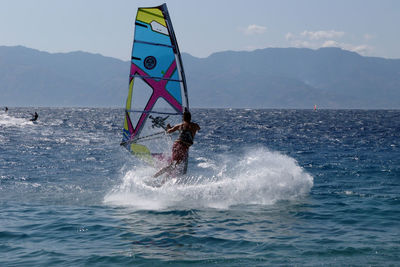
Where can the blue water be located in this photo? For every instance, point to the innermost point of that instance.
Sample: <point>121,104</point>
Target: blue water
<point>264,187</point>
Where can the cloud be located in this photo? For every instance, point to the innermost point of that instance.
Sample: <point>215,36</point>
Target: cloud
<point>290,36</point>
<point>360,49</point>
<point>331,38</point>
<point>330,43</point>
<point>317,35</point>
<point>254,29</point>
<point>303,43</point>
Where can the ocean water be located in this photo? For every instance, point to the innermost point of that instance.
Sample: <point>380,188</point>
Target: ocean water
<point>264,187</point>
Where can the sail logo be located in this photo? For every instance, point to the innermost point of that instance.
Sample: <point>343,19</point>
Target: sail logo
<point>157,27</point>
<point>150,62</point>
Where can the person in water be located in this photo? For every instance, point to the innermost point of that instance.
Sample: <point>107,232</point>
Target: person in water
<point>180,149</point>
<point>34,117</point>
<point>6,109</point>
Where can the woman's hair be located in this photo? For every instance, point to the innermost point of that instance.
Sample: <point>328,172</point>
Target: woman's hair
<point>187,116</point>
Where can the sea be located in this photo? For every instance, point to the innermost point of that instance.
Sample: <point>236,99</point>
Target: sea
<point>265,187</point>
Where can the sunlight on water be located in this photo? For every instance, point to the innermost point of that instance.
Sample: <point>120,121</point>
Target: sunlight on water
<point>258,176</point>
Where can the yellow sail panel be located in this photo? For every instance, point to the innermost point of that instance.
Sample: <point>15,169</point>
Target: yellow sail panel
<point>128,103</point>
<point>142,152</point>
<point>147,15</point>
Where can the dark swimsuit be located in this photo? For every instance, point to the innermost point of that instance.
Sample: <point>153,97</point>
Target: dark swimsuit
<point>186,137</point>
<point>181,146</point>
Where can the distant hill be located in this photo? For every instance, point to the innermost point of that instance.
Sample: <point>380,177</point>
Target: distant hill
<point>30,77</point>
<point>266,78</point>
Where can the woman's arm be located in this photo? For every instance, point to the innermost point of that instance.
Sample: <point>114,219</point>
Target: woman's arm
<point>173,129</point>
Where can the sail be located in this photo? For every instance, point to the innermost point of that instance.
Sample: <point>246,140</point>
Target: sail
<point>157,87</point>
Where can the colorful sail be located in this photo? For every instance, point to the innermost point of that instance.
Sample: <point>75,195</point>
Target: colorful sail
<point>157,86</point>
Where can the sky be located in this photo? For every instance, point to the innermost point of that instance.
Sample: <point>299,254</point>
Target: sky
<point>203,27</point>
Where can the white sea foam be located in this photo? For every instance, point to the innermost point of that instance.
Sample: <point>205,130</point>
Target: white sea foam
<point>257,176</point>
<point>7,120</point>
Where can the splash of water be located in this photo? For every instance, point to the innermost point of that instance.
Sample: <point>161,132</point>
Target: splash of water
<point>257,176</point>
<point>7,120</point>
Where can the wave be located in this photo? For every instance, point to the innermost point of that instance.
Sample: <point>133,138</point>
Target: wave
<point>7,120</point>
<point>255,176</point>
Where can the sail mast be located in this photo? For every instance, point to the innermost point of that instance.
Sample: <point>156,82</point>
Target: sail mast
<point>164,10</point>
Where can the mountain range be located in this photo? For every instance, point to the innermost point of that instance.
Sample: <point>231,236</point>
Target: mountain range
<point>265,78</point>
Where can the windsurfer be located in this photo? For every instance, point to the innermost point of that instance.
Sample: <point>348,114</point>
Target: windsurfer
<point>181,146</point>
<point>34,116</point>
